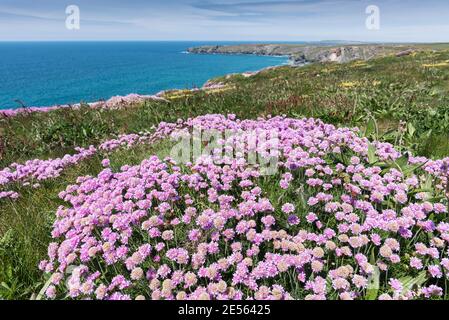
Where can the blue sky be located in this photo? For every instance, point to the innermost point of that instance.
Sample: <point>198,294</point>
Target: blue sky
<point>250,20</point>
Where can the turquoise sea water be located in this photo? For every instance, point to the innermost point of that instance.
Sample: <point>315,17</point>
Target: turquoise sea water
<point>50,73</point>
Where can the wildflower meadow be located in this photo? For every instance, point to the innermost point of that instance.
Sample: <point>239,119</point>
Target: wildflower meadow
<point>348,212</point>
<point>343,218</point>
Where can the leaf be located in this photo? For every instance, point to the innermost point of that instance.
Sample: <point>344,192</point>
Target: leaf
<point>372,290</point>
<point>409,169</point>
<point>422,190</point>
<point>41,293</point>
<point>411,129</point>
<point>436,199</point>
<point>4,285</point>
<point>372,258</point>
<point>372,158</point>
<point>402,162</point>
<point>429,183</point>
<point>371,128</point>
<point>428,134</point>
<point>328,284</point>
<point>410,283</point>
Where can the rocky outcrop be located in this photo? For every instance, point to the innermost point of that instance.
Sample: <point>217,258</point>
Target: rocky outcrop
<point>115,102</point>
<point>405,53</point>
<point>302,54</point>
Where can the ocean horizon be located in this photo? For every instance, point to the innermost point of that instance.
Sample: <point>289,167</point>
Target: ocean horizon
<point>39,74</point>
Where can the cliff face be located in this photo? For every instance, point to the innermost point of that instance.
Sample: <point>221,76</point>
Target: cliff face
<point>301,54</point>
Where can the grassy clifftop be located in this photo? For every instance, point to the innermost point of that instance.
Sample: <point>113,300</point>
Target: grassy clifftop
<point>401,100</point>
<point>412,89</point>
<point>309,53</point>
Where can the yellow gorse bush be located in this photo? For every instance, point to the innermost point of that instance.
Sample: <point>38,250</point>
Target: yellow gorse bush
<point>360,64</point>
<point>436,65</point>
<point>179,94</point>
<point>219,90</point>
<point>349,84</point>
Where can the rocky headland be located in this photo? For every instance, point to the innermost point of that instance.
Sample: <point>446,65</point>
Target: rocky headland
<point>303,54</point>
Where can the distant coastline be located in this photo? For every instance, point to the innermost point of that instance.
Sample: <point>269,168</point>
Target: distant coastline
<point>49,75</point>
<point>300,54</point>
<point>295,55</point>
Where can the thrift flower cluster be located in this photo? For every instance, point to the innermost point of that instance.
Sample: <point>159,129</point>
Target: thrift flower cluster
<point>115,102</point>
<point>33,172</point>
<point>327,225</point>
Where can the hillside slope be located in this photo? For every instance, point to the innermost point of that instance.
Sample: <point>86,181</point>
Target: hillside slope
<point>403,101</point>
<point>301,54</point>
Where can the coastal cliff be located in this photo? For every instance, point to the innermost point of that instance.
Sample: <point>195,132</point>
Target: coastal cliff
<point>302,54</point>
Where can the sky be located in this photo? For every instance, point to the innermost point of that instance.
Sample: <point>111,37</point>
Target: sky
<point>233,20</point>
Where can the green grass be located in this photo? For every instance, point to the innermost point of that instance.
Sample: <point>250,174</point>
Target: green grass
<point>406,102</point>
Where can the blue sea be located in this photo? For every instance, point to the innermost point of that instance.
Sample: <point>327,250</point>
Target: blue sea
<point>51,73</point>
